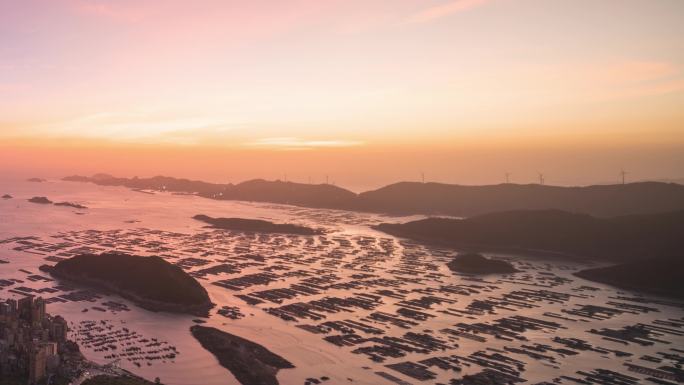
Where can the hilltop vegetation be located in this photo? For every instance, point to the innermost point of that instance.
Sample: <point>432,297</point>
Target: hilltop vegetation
<point>151,282</point>
<point>662,276</point>
<point>552,231</point>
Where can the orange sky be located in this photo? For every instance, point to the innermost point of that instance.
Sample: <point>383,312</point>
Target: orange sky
<point>368,91</point>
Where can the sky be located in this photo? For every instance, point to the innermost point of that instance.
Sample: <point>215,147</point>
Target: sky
<point>367,92</point>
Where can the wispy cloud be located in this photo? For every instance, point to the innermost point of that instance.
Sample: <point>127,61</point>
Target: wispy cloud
<point>290,143</point>
<point>444,10</point>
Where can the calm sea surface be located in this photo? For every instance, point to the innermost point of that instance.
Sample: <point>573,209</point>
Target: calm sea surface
<point>350,261</point>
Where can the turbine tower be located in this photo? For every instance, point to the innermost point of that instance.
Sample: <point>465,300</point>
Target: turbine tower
<point>508,177</point>
<point>541,178</point>
<point>623,174</point>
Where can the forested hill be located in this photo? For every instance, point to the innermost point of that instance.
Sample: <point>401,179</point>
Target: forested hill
<point>429,198</point>
<point>622,238</point>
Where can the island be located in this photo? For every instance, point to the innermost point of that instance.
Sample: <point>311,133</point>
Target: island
<point>71,204</point>
<point>256,225</point>
<point>660,276</point>
<point>250,363</point>
<point>7,196</point>
<point>46,201</point>
<point>474,263</point>
<point>36,180</point>
<point>150,282</point>
<point>40,200</point>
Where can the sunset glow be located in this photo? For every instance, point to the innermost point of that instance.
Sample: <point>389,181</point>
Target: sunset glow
<point>387,87</point>
<point>324,192</point>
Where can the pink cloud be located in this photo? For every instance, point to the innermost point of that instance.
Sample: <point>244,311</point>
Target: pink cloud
<point>446,9</point>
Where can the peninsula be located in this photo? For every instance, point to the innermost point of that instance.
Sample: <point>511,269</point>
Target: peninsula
<point>250,363</point>
<point>150,282</point>
<point>648,248</point>
<point>256,225</point>
<point>661,276</point>
<point>554,232</point>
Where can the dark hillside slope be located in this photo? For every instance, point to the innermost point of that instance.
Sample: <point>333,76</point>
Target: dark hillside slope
<point>663,276</point>
<point>151,282</point>
<point>299,194</point>
<point>619,238</point>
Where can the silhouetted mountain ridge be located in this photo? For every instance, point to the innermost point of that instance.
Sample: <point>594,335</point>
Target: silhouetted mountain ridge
<point>458,200</point>
<point>406,198</point>
<point>300,194</point>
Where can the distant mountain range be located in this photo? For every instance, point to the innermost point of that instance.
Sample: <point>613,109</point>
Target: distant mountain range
<point>406,198</point>
<point>257,190</point>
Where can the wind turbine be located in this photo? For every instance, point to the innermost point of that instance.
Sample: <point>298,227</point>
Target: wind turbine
<point>422,176</point>
<point>541,178</point>
<point>623,174</point>
<point>508,175</point>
